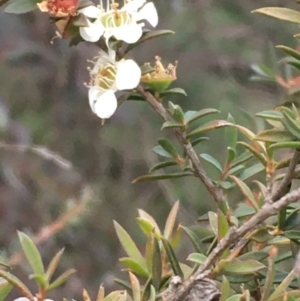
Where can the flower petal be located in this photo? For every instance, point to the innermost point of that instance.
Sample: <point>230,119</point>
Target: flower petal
<point>128,75</point>
<point>90,11</point>
<point>130,33</point>
<point>133,6</point>
<point>149,13</point>
<point>92,33</point>
<point>106,105</point>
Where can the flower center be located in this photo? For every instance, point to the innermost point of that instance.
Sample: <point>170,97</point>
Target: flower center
<point>104,77</point>
<point>115,17</point>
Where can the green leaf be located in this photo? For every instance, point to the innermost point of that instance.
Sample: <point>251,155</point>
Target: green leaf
<point>177,113</point>
<point>294,53</point>
<point>212,125</point>
<point>170,222</point>
<point>147,227</point>
<point>17,283</point>
<point>172,258</point>
<point>289,144</point>
<point>101,293</point>
<point>282,287</point>
<point>251,171</point>
<point>291,125</point>
<point>53,264</point>
<point>192,116</point>
<point>156,264</point>
<point>246,192</point>
<point>161,151</point>
<point>21,6</point>
<point>280,13</point>
<point>225,289</point>
<point>269,281</point>
<point>231,134</point>
<point>132,265</point>
<point>293,235</point>
<point>162,177</point>
<point>136,287</point>
<point>32,254</point>
<point>197,258</point>
<point>5,288</point>
<point>116,296</point>
<point>274,135</point>
<point>292,220</point>
<point>261,157</point>
<point>237,297</point>
<point>244,267</point>
<point>208,158</point>
<point>152,294</point>
<point>223,229</point>
<point>172,125</point>
<point>148,36</point>
<point>263,71</point>
<point>168,147</point>
<point>231,154</point>
<point>146,216</point>
<point>195,141</point>
<point>244,157</point>
<point>179,91</point>
<point>213,221</point>
<point>194,239</point>
<point>65,276</point>
<point>256,255</point>
<point>129,246</point>
<point>162,165</point>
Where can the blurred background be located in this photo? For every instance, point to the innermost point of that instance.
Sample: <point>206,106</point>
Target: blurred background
<point>43,101</point>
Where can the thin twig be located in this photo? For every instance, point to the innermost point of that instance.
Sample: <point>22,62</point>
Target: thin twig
<point>233,236</point>
<point>199,172</point>
<point>286,181</point>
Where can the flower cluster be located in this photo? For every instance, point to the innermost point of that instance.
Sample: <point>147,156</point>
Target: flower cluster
<point>109,75</point>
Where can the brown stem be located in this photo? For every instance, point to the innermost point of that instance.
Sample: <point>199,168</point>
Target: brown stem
<point>199,172</point>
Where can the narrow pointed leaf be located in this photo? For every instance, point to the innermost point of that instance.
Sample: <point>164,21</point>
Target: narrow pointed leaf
<point>132,265</point>
<point>282,287</point>
<point>129,245</point>
<point>21,6</point>
<point>237,297</point>
<point>162,177</point>
<point>5,288</point>
<point>163,165</point>
<point>244,267</point>
<point>65,276</point>
<point>114,296</point>
<point>156,264</point>
<point>144,215</point>
<point>152,293</point>
<point>273,115</point>
<point>171,221</point>
<point>53,264</point>
<point>280,13</point>
<point>289,144</point>
<point>148,36</point>
<point>32,254</point>
<point>261,157</point>
<point>231,134</point>
<point>172,258</point>
<point>294,53</point>
<point>168,147</point>
<point>199,114</point>
<point>172,125</point>
<point>101,293</point>
<point>195,141</point>
<point>274,135</point>
<point>197,258</point>
<point>179,91</point>
<point>225,289</point>
<point>269,281</point>
<point>251,171</point>
<point>212,125</point>
<point>246,192</point>
<point>86,296</point>
<point>17,283</point>
<point>136,287</point>
<point>194,239</point>
<point>161,151</point>
<point>208,158</point>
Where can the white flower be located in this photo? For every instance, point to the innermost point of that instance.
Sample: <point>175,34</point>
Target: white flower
<point>26,299</point>
<point>107,77</point>
<point>124,24</point>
